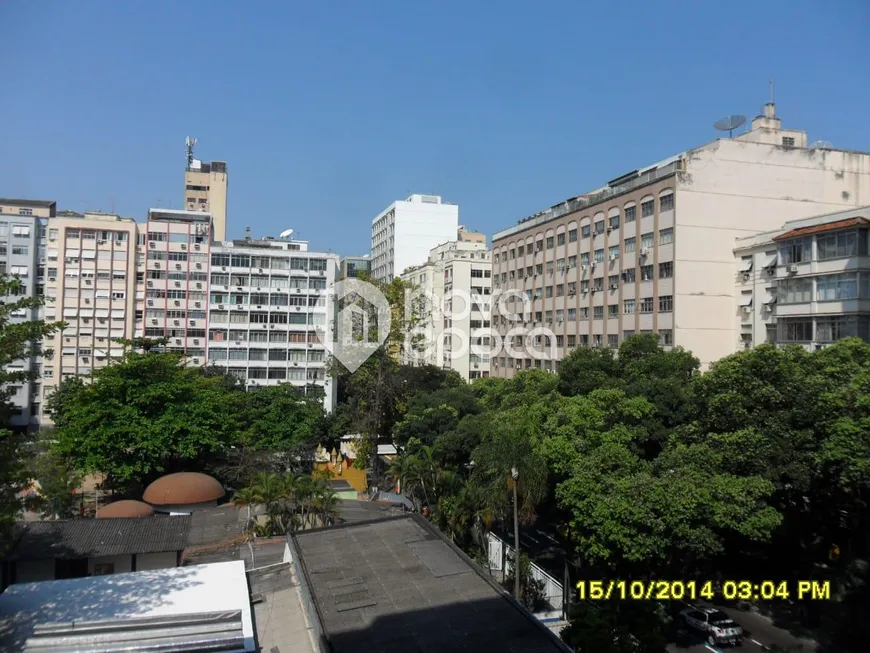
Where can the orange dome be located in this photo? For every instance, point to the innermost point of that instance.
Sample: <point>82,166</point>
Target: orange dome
<point>183,488</point>
<point>125,508</point>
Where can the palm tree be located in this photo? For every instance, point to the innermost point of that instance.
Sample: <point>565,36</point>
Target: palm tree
<point>509,473</point>
<point>270,490</point>
<point>246,497</point>
<point>325,502</point>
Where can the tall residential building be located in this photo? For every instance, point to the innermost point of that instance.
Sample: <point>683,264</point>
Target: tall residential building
<point>405,231</point>
<point>268,301</point>
<point>652,250</point>
<point>352,266</point>
<point>456,281</point>
<point>205,189</point>
<point>22,255</point>
<point>806,283</point>
<point>174,249</point>
<point>90,284</point>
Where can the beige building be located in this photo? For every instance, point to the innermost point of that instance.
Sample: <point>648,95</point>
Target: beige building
<point>806,283</point>
<point>456,281</point>
<point>205,189</point>
<point>652,250</point>
<point>90,285</point>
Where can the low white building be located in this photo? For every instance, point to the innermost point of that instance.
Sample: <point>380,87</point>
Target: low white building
<point>806,283</point>
<point>404,232</point>
<point>456,284</point>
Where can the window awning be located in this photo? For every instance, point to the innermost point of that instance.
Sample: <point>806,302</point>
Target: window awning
<point>73,253</point>
<point>771,260</point>
<point>746,265</point>
<point>770,298</point>
<point>70,312</point>
<point>89,253</point>
<point>746,300</point>
<point>102,312</point>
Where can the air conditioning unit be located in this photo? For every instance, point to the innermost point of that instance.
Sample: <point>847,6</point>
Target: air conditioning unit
<point>747,309</point>
<point>644,251</point>
<point>220,306</point>
<point>177,302</point>
<point>156,264</point>
<point>52,278</point>
<point>613,257</point>
<point>572,293</point>
<point>614,286</point>
<point>196,341</point>
<point>260,270</point>
<point>152,244</point>
<point>183,247</point>
<point>87,301</point>
<point>196,360</point>
<point>771,271</point>
<point>223,268</point>
<point>609,229</point>
<point>594,289</point>
<point>193,323</point>
<point>178,284</point>
<point>88,282</point>
<point>746,276</point>
<point>176,322</point>
<point>792,269</point>
<point>154,321</point>
<point>238,342</point>
<point>196,247</point>
<point>199,284</point>
<point>592,264</point>
<point>150,302</point>
<point>178,266</point>
<point>150,284</point>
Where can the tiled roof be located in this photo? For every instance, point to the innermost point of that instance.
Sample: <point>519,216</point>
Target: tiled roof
<point>822,228</point>
<point>85,538</point>
<point>397,585</point>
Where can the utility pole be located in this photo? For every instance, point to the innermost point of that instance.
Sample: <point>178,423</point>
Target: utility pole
<point>515,475</point>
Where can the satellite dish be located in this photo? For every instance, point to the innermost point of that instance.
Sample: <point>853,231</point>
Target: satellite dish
<point>285,235</point>
<point>822,145</point>
<point>729,123</point>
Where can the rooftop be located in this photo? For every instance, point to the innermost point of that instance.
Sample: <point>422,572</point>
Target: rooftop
<point>125,610</point>
<point>396,585</point>
<point>174,215</point>
<point>86,538</point>
<point>822,228</point>
<point>816,223</point>
<point>24,203</point>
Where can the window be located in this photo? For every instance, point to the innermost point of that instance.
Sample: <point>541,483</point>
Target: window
<point>549,242</point>
<point>572,236</point>
<point>666,270</point>
<point>612,310</point>
<point>628,306</point>
<point>599,227</point>
<point>630,244</point>
<point>629,275</point>
<point>20,231</point>
<point>666,203</point>
<point>598,312</point>
<point>104,568</point>
<point>795,330</point>
<point>666,303</point>
<point>788,141</point>
<point>666,337</point>
<point>598,283</point>
<point>795,291</point>
<point>584,231</point>
<point>614,252</point>
<point>560,239</point>
<point>646,273</point>
<point>647,209</point>
<point>646,241</point>
<point>666,236</point>
<point>19,250</point>
<point>613,340</point>
<point>599,256</point>
<point>584,259</point>
<point>613,221</point>
<point>646,305</point>
<point>630,214</point>
<point>796,251</point>
<point>837,286</point>
<point>840,245</point>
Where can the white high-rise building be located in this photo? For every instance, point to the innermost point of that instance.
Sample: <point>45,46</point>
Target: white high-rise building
<point>405,232</point>
<point>457,281</point>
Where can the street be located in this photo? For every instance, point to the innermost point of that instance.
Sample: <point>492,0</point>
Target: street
<point>760,634</point>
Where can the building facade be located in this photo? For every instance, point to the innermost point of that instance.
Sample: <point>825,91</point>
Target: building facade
<point>23,234</point>
<point>404,232</point>
<point>353,266</point>
<point>652,250</point>
<point>806,283</point>
<point>90,285</point>
<point>456,282</point>
<point>268,313</point>
<point>205,190</point>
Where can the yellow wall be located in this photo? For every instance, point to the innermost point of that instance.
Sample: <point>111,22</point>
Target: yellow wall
<point>356,477</point>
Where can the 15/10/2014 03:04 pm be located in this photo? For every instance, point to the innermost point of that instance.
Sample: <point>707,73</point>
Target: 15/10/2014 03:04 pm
<point>676,590</point>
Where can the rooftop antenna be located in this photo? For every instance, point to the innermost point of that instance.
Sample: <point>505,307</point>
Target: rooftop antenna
<point>771,92</point>
<point>287,234</point>
<point>189,144</point>
<point>729,123</point>
<point>822,145</point>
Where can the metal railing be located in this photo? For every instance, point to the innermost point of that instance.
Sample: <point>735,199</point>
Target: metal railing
<point>500,552</point>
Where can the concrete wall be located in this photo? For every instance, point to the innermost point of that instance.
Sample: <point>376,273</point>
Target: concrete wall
<point>733,189</point>
<point>161,560</point>
<point>32,571</point>
<point>123,563</point>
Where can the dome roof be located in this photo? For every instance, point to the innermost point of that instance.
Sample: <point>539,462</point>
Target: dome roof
<point>183,488</point>
<point>125,508</point>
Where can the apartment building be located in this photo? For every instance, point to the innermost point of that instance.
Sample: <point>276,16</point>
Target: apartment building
<point>456,283</point>
<point>806,283</point>
<point>267,304</point>
<point>22,255</point>
<point>405,231</point>
<point>352,267</point>
<point>652,250</point>
<point>90,285</point>
<point>205,189</point>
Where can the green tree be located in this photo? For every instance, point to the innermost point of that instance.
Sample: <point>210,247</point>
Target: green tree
<point>143,416</point>
<point>18,340</point>
<point>617,627</point>
<point>58,482</point>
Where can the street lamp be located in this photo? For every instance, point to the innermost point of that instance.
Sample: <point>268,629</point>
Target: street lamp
<point>515,475</point>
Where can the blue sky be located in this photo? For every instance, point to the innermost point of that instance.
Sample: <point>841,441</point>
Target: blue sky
<point>327,111</point>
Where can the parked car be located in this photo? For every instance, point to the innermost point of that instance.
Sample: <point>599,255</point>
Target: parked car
<point>716,625</point>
